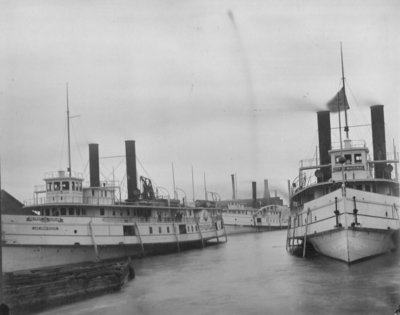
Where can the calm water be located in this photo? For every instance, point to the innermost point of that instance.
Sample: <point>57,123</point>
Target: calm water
<point>251,274</point>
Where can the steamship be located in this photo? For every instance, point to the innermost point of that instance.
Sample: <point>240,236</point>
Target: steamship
<point>346,206</point>
<point>68,223</point>
<point>255,215</point>
<point>241,219</point>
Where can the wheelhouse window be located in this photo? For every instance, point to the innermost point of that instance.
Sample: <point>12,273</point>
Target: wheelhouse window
<point>348,158</point>
<point>65,186</point>
<point>73,185</point>
<point>150,229</point>
<point>63,211</point>
<point>101,211</point>
<point>357,158</point>
<point>49,186</point>
<point>83,211</point>
<point>56,186</point>
<point>159,230</point>
<point>71,211</point>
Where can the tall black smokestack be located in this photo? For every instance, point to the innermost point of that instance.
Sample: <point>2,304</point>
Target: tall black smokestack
<point>254,188</point>
<point>131,176</point>
<point>94,165</point>
<point>378,139</point>
<point>324,136</point>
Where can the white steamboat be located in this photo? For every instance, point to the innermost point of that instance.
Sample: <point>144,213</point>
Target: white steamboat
<point>241,219</point>
<point>347,209</point>
<point>68,223</point>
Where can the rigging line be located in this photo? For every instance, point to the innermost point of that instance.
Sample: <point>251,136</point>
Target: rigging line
<point>356,101</point>
<point>85,170</point>
<point>112,156</point>
<point>144,170</point>
<point>76,145</point>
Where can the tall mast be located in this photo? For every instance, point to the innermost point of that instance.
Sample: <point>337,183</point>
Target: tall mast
<point>69,141</point>
<point>346,127</point>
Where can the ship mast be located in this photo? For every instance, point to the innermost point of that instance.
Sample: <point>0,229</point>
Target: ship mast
<point>69,141</point>
<point>346,127</point>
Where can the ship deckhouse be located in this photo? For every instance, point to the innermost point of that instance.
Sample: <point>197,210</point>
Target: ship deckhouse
<point>62,188</point>
<point>352,160</point>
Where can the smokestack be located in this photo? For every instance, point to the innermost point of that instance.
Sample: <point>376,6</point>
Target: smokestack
<point>131,176</point>
<point>254,187</point>
<point>267,195</point>
<point>94,165</point>
<point>324,136</point>
<point>233,187</point>
<point>378,139</point>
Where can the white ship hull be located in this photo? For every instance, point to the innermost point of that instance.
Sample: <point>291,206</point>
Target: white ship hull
<point>244,221</point>
<point>35,242</point>
<point>351,245</point>
<point>346,236</point>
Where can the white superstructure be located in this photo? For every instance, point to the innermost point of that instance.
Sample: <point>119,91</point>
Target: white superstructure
<point>239,218</point>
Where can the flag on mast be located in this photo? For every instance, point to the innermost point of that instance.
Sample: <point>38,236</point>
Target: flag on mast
<point>339,102</point>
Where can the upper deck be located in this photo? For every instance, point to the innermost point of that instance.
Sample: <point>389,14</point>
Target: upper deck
<point>351,164</point>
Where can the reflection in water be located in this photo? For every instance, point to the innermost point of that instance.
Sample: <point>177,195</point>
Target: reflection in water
<point>251,274</point>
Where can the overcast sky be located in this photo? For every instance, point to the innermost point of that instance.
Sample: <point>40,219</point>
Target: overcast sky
<point>223,86</point>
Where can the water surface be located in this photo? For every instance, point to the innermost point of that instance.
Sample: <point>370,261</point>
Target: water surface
<point>251,274</point>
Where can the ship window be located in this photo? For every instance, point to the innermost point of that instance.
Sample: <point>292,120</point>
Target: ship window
<point>65,185</point>
<point>78,211</point>
<point>129,230</point>
<point>348,158</point>
<point>101,211</point>
<point>114,213</point>
<point>71,211</point>
<point>63,211</point>
<point>56,186</point>
<point>105,193</point>
<point>47,212</point>
<point>182,229</point>
<point>337,158</point>
<point>167,229</point>
<point>49,186</point>
<point>73,185</point>
<point>357,158</point>
<point>83,211</point>
<point>359,187</point>
<point>92,192</point>
<point>128,212</point>
<point>120,213</point>
<point>367,188</point>
<point>150,229</point>
<point>159,230</point>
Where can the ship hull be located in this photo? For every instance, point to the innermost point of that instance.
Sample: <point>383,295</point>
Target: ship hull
<point>238,229</point>
<point>76,240</point>
<point>352,245</point>
<point>348,235</point>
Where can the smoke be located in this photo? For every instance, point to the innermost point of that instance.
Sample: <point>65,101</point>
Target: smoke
<point>244,59</point>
